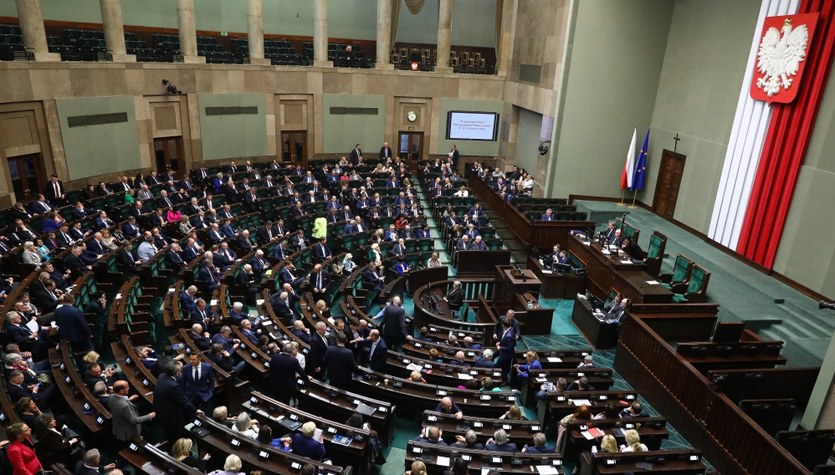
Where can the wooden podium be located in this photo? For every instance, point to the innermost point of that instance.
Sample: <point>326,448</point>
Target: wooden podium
<point>517,290</point>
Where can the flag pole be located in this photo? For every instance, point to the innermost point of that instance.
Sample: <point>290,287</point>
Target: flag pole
<point>622,193</point>
<point>633,199</point>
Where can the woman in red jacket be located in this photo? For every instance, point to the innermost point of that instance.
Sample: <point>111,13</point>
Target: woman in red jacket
<point>21,451</point>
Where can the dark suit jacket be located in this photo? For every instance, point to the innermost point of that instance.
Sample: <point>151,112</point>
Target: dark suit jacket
<point>75,265</point>
<point>282,310</point>
<point>455,298</point>
<point>316,357</point>
<point>128,262</point>
<point>203,387</point>
<point>393,323</point>
<point>377,361</point>
<point>383,151</point>
<point>283,371</point>
<point>170,403</point>
<point>72,326</point>
<point>341,365</point>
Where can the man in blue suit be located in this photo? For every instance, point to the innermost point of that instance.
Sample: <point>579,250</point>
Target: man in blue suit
<point>72,326</point>
<point>198,383</point>
<point>171,405</point>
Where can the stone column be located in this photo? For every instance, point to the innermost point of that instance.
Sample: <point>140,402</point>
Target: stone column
<point>114,31</point>
<point>384,38</point>
<point>34,35</point>
<point>444,35</point>
<point>505,44</point>
<point>320,34</point>
<point>188,32</point>
<point>255,28</point>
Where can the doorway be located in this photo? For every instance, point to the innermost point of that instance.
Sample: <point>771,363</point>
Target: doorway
<point>27,174</point>
<point>411,148</point>
<point>669,181</point>
<point>168,153</point>
<point>294,147</point>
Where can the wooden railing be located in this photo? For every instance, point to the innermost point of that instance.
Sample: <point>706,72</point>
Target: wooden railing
<point>731,440</point>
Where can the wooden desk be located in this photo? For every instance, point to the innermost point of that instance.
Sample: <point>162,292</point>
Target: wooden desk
<point>533,321</point>
<point>556,286</point>
<point>679,462</point>
<point>437,457</point>
<point>600,334</point>
<point>520,431</point>
<point>509,283</point>
<point>560,405</point>
<point>607,272</point>
<point>653,431</point>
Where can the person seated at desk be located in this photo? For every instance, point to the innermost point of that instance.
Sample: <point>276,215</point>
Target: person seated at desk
<point>608,234</point>
<point>467,343</point>
<point>402,267</point>
<point>431,435</point>
<point>588,362</point>
<point>633,442</point>
<point>523,371</point>
<point>581,384</point>
<point>548,386</point>
<point>539,446</point>
<point>435,355</point>
<point>448,406</point>
<point>374,276</point>
<point>181,452</point>
<point>484,360</point>
<point>455,297</point>
<point>548,215</point>
<point>463,244</point>
<point>489,386</point>
<point>635,410</point>
<point>303,444</point>
<point>460,359</point>
<point>478,244</point>
<point>632,249</point>
<point>468,441</point>
<point>417,377</point>
<point>500,443</point>
<point>616,312</point>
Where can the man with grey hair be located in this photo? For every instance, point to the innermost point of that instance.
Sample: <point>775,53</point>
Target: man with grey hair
<point>484,360</point>
<point>318,346</point>
<point>89,464</point>
<point>500,442</point>
<point>284,368</point>
<point>455,297</point>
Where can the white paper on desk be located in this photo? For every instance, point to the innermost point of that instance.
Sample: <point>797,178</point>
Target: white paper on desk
<point>259,302</point>
<point>442,461</point>
<point>546,271</point>
<point>464,376</point>
<point>547,470</point>
<point>587,243</point>
<point>580,402</point>
<point>33,325</point>
<point>541,380</point>
<point>554,359</point>
<point>653,282</point>
<point>625,261</point>
<point>213,303</point>
<point>605,251</point>
<point>414,367</point>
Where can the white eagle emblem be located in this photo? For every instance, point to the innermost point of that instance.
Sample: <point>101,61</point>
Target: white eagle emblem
<point>780,57</point>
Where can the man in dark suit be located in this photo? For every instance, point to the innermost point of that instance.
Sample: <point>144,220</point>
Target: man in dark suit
<point>173,259</point>
<point>385,151</point>
<point>318,347</point>
<point>54,192</point>
<point>127,423</point>
<point>455,297</point>
<point>74,264</point>
<point>319,281</point>
<point>393,323</point>
<point>453,156</point>
<point>507,349</point>
<point>340,363</point>
<point>377,351</point>
<point>484,360</point>
<point>72,326</point>
<point>127,259</point>
<point>286,275</point>
<point>284,369</point>
<point>356,154</point>
<point>321,251</point>
<point>170,403</point>
<point>198,383</point>
<point>282,309</point>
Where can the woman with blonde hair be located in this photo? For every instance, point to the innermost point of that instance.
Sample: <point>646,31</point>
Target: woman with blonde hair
<point>434,261</point>
<point>608,444</point>
<point>181,452</point>
<point>633,442</point>
<point>417,468</point>
<point>91,357</point>
<point>374,253</point>
<point>232,466</point>
<point>417,377</point>
<point>108,240</point>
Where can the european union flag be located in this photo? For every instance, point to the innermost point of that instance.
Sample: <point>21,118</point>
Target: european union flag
<point>639,177</point>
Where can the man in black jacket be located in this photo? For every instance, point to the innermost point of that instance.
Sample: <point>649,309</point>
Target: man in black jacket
<point>284,368</point>
<point>170,403</point>
<point>340,363</point>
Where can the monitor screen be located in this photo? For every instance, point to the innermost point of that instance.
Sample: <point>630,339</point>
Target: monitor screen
<point>468,125</point>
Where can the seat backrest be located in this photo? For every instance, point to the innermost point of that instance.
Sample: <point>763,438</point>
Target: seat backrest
<point>698,280</point>
<point>654,250</point>
<point>682,269</point>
